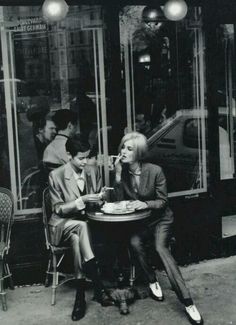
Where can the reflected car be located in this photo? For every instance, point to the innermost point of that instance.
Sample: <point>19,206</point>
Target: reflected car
<point>180,145</point>
<point>176,148</point>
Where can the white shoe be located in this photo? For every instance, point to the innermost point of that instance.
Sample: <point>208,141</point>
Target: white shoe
<point>155,291</point>
<point>194,315</point>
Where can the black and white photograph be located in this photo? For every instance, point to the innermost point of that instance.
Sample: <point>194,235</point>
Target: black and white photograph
<point>117,162</point>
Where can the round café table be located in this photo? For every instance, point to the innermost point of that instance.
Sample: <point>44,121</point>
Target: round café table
<point>121,218</point>
<point>106,217</point>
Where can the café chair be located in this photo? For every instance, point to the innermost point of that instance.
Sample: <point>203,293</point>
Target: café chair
<point>45,169</point>
<point>132,270</point>
<point>30,188</point>
<point>56,253</point>
<point>6,221</point>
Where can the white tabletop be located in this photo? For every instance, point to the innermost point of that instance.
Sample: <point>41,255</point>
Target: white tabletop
<point>105,217</point>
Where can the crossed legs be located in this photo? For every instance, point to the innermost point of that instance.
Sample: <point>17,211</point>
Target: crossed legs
<point>80,242</point>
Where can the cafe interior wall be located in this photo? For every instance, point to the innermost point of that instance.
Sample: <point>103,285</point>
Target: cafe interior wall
<point>198,223</point>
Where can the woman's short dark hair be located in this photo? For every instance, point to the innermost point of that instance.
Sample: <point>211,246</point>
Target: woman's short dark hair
<point>139,142</point>
<point>77,144</point>
<point>62,117</point>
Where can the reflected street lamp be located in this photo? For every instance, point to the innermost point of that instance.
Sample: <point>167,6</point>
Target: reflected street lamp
<point>175,9</point>
<point>54,10</point>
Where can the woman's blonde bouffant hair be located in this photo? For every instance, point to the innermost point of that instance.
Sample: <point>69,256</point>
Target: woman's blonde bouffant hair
<point>140,144</point>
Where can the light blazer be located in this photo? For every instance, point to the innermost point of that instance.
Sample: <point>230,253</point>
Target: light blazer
<point>64,191</point>
<point>152,189</point>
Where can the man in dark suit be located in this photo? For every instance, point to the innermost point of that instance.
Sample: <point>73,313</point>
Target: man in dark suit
<point>71,187</point>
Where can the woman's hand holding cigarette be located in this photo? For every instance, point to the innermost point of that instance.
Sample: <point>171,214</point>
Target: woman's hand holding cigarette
<point>104,189</point>
<point>118,168</point>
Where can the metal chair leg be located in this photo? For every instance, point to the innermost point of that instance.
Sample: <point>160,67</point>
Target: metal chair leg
<point>47,272</point>
<point>132,275</point>
<point>54,279</point>
<point>11,284</point>
<point>132,269</point>
<point>2,291</point>
<point>4,300</point>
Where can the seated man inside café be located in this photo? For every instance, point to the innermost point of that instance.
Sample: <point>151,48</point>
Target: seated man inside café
<point>71,187</point>
<point>46,133</point>
<point>142,124</point>
<point>55,153</point>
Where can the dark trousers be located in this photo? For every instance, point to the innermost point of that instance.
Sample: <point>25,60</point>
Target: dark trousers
<point>162,232</point>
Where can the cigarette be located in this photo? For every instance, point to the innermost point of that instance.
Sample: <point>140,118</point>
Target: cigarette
<point>109,188</point>
<point>113,156</point>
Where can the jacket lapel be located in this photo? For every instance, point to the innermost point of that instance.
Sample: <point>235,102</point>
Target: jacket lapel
<point>143,179</point>
<point>69,177</point>
<point>128,185</point>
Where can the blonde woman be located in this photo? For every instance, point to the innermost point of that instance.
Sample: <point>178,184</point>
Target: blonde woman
<point>145,185</point>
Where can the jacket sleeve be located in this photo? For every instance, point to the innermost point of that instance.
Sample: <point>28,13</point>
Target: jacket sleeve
<point>59,206</point>
<point>160,192</point>
<point>118,194</point>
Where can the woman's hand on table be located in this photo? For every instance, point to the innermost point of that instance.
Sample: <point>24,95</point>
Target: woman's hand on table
<point>91,197</point>
<point>137,205</point>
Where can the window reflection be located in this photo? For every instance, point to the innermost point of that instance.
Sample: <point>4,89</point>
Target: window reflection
<point>163,69</point>
<point>4,156</point>
<point>226,101</point>
<point>46,67</point>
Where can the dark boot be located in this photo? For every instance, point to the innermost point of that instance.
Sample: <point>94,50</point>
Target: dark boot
<point>100,294</point>
<point>80,303</point>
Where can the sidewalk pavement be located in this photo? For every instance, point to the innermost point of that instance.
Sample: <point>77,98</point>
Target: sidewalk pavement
<point>212,284</point>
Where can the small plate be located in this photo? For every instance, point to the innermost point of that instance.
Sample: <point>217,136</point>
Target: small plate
<point>117,211</point>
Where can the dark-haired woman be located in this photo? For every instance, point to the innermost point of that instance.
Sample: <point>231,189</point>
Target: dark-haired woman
<point>71,186</point>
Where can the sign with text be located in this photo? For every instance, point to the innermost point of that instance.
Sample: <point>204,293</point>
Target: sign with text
<point>30,24</point>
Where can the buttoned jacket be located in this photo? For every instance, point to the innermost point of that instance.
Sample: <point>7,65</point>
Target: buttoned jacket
<point>64,192</point>
<point>152,189</point>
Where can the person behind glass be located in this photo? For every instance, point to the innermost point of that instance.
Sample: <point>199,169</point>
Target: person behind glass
<point>71,187</point>
<point>55,153</point>
<point>145,184</point>
<point>46,133</point>
<point>142,125</point>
